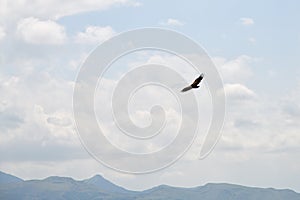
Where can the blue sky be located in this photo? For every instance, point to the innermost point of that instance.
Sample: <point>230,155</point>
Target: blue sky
<point>216,25</point>
<point>255,45</point>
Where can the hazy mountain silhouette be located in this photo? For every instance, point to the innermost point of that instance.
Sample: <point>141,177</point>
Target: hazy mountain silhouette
<point>97,187</point>
<point>7,178</point>
<point>104,184</point>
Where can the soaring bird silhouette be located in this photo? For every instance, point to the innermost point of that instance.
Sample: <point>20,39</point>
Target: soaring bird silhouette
<point>195,84</point>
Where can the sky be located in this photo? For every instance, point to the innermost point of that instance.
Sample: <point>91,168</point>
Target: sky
<point>255,46</point>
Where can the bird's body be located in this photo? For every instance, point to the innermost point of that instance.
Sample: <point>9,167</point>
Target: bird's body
<point>195,84</point>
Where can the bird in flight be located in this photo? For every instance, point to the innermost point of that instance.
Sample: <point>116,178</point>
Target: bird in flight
<point>195,84</point>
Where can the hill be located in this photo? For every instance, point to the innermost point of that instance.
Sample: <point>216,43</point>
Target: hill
<point>63,188</point>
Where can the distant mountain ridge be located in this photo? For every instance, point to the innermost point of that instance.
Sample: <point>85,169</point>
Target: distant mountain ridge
<point>97,187</point>
<point>7,178</point>
<point>104,184</point>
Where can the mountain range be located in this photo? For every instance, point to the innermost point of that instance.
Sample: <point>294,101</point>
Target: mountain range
<point>97,187</point>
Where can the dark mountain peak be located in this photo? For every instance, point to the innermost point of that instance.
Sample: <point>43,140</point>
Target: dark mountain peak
<point>105,185</point>
<point>7,178</point>
<point>97,177</point>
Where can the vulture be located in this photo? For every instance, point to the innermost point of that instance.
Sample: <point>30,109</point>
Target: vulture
<point>195,84</point>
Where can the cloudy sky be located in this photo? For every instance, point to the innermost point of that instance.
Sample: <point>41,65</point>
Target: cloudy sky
<point>255,46</point>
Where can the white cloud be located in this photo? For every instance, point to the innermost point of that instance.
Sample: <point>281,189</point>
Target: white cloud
<point>247,21</point>
<point>2,33</point>
<point>235,70</point>
<point>43,119</point>
<point>172,22</point>
<point>59,121</point>
<point>184,69</point>
<point>75,63</point>
<point>238,92</point>
<point>252,40</point>
<point>94,34</point>
<point>35,31</point>
<point>9,120</point>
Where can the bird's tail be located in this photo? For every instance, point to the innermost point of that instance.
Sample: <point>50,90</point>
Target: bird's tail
<point>186,89</point>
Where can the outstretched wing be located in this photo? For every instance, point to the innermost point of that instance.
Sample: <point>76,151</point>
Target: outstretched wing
<point>187,88</point>
<point>198,80</point>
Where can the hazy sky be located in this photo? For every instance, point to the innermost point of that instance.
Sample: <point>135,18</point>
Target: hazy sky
<point>255,45</point>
